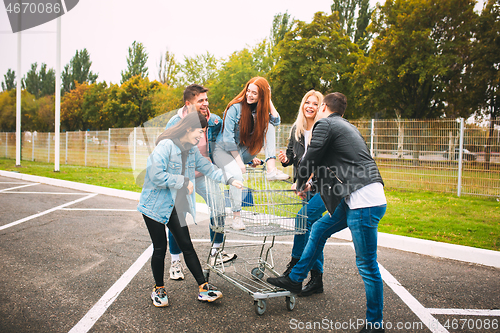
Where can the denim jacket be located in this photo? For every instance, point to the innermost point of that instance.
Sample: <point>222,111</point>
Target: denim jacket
<point>229,138</point>
<point>163,179</point>
<point>214,127</point>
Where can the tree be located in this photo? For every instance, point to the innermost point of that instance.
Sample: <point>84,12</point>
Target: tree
<point>78,70</point>
<point>131,104</point>
<point>45,114</point>
<point>136,62</point>
<point>93,111</point>
<point>168,69</point>
<point>31,82</point>
<point>416,60</point>
<point>240,67</point>
<point>9,80</point>
<point>354,17</point>
<point>312,56</point>
<point>71,109</point>
<point>199,69</point>
<point>166,99</point>
<point>29,108</point>
<point>483,77</point>
<point>282,23</point>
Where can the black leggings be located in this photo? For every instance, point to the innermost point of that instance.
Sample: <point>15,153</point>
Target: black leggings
<point>181,235</point>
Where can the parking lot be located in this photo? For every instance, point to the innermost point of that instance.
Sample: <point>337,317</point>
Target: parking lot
<point>77,261</point>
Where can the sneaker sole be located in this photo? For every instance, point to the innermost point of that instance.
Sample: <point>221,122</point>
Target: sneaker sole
<point>158,305</point>
<point>209,300</point>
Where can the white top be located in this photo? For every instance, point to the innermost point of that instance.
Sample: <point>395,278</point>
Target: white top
<point>307,135</point>
<point>368,196</point>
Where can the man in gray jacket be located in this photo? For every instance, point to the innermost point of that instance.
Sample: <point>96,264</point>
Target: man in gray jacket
<point>353,192</point>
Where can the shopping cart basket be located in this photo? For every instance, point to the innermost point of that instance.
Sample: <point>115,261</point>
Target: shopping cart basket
<point>269,209</point>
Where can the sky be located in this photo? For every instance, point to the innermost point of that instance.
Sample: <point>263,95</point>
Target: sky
<point>107,28</point>
<point>186,28</point>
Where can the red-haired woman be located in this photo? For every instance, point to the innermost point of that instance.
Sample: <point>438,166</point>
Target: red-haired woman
<point>244,133</point>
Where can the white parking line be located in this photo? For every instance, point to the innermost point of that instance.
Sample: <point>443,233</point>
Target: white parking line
<point>465,312</point>
<point>13,188</point>
<point>102,209</point>
<point>47,211</point>
<point>86,323</point>
<point>414,305</point>
<point>58,193</point>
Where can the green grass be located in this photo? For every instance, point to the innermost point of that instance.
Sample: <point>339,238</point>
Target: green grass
<point>466,220</point>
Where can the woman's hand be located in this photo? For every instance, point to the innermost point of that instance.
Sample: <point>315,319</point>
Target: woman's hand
<point>190,188</point>
<point>237,184</point>
<point>242,166</point>
<point>282,157</point>
<point>255,162</point>
<point>294,187</point>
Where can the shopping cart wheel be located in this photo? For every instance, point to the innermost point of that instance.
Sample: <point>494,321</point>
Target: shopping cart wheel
<point>206,274</point>
<point>260,306</point>
<point>290,302</point>
<point>258,273</point>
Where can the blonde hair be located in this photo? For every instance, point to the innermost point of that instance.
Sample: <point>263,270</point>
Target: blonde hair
<point>301,122</point>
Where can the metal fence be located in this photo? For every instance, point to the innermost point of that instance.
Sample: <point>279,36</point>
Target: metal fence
<point>433,155</point>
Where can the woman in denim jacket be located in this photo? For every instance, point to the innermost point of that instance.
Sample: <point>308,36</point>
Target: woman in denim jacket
<point>244,128</point>
<point>167,196</point>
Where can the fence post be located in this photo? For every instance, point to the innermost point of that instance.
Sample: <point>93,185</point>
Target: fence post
<point>135,147</point>
<point>32,147</point>
<point>66,158</point>
<point>6,144</point>
<point>109,147</point>
<point>48,155</point>
<point>460,156</point>
<point>372,137</point>
<point>85,138</point>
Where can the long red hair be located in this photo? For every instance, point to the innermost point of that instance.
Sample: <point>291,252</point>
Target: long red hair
<point>253,136</point>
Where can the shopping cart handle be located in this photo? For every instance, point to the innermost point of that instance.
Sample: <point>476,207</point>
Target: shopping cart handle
<point>251,162</point>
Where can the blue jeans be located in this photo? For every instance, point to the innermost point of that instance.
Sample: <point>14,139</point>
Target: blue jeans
<point>363,223</point>
<point>201,189</point>
<point>314,211</point>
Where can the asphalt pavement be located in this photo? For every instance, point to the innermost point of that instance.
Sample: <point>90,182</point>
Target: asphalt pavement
<point>78,261</point>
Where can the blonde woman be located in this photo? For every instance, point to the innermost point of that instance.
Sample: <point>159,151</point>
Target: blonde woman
<point>300,137</point>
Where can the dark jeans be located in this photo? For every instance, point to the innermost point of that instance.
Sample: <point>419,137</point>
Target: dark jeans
<point>159,238</point>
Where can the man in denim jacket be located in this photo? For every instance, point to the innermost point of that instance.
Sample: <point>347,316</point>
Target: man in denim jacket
<point>195,99</point>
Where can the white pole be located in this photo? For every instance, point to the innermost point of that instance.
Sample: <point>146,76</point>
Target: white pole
<point>372,135</point>
<point>18,102</point>
<point>48,155</point>
<point>86,148</point>
<point>32,146</point>
<point>66,160</point>
<point>460,156</point>
<point>58,96</point>
<point>109,147</point>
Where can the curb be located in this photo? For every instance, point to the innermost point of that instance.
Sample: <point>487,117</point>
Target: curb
<point>408,244</point>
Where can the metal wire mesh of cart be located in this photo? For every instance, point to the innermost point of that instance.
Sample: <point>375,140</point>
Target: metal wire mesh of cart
<point>268,208</point>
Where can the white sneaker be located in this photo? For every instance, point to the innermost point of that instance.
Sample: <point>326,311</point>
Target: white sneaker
<point>277,175</point>
<point>176,271</point>
<point>238,223</point>
<point>226,257</point>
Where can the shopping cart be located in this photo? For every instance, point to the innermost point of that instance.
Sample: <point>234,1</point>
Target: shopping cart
<point>269,209</point>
